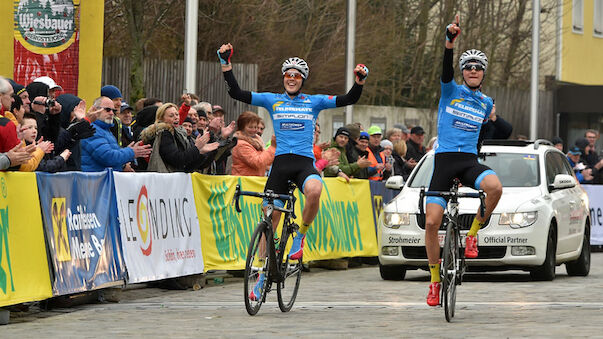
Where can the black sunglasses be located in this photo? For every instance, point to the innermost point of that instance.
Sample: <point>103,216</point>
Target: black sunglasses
<point>471,67</point>
<point>107,109</point>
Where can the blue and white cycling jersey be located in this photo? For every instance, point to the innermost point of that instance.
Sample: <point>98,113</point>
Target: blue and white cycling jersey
<point>293,119</point>
<point>461,114</point>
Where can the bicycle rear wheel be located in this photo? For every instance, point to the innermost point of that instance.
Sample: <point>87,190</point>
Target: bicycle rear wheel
<point>449,266</point>
<point>256,264</point>
<point>290,272</point>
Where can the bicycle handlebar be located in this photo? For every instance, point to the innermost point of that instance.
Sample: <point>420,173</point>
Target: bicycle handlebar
<point>268,195</point>
<point>454,194</point>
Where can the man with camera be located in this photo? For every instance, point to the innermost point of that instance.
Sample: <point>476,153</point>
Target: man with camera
<point>46,110</point>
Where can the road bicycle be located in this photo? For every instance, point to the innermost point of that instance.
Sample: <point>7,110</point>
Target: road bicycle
<point>452,267</point>
<point>268,254</point>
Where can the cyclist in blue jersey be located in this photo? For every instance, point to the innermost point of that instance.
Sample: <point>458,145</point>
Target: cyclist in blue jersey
<point>293,115</point>
<point>462,111</point>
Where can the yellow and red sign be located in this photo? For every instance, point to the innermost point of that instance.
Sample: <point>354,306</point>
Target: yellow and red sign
<point>23,263</point>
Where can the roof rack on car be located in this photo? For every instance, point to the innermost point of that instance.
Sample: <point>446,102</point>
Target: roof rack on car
<point>504,142</point>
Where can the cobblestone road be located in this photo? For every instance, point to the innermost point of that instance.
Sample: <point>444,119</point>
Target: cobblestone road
<point>351,303</point>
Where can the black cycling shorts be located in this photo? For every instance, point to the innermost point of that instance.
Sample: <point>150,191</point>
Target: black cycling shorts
<point>293,167</point>
<point>450,165</point>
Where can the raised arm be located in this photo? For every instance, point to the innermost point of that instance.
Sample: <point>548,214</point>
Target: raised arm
<point>224,54</point>
<point>452,32</point>
<point>354,93</point>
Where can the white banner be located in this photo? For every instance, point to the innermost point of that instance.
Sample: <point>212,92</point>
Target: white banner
<point>595,197</point>
<point>159,226</point>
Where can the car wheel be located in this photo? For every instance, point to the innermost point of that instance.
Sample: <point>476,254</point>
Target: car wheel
<point>581,266</point>
<point>392,272</point>
<point>546,271</point>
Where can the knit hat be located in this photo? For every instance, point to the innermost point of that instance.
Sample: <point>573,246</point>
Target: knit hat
<point>386,142</point>
<point>354,131</point>
<point>342,131</point>
<point>111,92</point>
<point>556,140</point>
<point>188,119</point>
<point>417,130</point>
<point>581,143</point>
<point>17,88</point>
<point>68,103</point>
<point>37,89</point>
<point>364,135</point>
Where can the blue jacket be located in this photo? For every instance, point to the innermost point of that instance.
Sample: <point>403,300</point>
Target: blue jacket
<point>102,151</point>
<point>579,175</point>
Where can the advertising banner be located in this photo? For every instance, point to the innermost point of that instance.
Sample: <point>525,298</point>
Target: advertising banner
<point>379,197</point>
<point>46,41</point>
<point>80,218</point>
<point>343,227</point>
<point>595,197</point>
<point>23,263</point>
<point>159,226</point>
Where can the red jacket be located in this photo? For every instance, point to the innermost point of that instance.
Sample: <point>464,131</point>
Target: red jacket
<point>8,135</point>
<point>183,112</point>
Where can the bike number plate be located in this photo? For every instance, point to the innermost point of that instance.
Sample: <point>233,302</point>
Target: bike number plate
<point>442,237</point>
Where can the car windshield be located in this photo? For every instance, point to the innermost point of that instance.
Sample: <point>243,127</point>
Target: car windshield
<point>513,169</point>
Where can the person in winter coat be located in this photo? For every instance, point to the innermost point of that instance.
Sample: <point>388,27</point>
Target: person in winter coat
<point>73,128</point>
<point>172,151</point>
<point>102,151</point>
<point>340,140</point>
<point>249,156</point>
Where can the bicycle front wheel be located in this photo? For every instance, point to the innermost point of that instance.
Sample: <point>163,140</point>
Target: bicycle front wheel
<point>257,264</point>
<point>290,272</point>
<point>449,276</point>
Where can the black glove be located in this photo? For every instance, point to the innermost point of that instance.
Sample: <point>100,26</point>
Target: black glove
<point>449,36</point>
<point>225,57</point>
<point>81,130</point>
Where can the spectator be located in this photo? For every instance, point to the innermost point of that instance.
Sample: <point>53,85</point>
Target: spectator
<point>405,131</point>
<point>415,149</point>
<point>249,156</point>
<point>172,151</point>
<point>47,111</point>
<point>144,119</point>
<point>202,109</point>
<point>590,159</point>
<point>113,93</point>
<point>74,127</point>
<point>317,147</point>
<point>102,151</point>
<point>262,127</point>
<point>401,165</point>
<point>6,100</point>
<point>21,91</point>
<point>350,149</point>
<point>388,150</point>
<point>187,124</point>
<point>393,134</point>
<point>218,112</point>
<point>29,132</point>
<point>139,105</point>
<point>558,143</point>
<point>340,140</point>
<point>17,108</point>
<point>125,117</point>
<point>185,107</point>
<point>8,129</point>
<point>583,174</point>
<point>360,155</point>
<point>431,144</point>
<point>53,89</point>
<point>375,154</point>
<point>16,156</point>
<point>194,116</point>
<point>496,127</point>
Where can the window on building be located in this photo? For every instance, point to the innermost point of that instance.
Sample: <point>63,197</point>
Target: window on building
<point>598,19</point>
<point>381,122</point>
<point>338,121</point>
<point>578,16</point>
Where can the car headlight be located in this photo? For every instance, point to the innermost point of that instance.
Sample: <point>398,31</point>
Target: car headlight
<point>394,220</point>
<point>522,219</point>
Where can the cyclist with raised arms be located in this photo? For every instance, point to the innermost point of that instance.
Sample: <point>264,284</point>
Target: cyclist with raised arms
<point>294,117</point>
<point>462,111</point>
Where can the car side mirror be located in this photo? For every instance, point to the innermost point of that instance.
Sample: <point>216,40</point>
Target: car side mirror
<point>562,181</point>
<point>395,182</point>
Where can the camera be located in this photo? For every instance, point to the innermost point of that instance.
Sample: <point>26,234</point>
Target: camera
<point>48,103</point>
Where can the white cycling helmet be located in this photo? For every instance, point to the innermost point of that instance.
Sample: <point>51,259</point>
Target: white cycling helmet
<point>298,64</point>
<point>473,55</point>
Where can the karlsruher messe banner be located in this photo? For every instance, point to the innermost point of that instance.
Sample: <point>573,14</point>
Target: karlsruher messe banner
<point>343,227</point>
<point>595,197</point>
<point>159,226</point>
<point>80,217</point>
<point>24,272</point>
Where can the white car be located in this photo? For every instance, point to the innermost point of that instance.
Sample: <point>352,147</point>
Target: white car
<point>542,218</point>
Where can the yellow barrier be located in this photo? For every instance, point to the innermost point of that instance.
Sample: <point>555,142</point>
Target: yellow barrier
<point>343,227</point>
<point>23,265</point>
